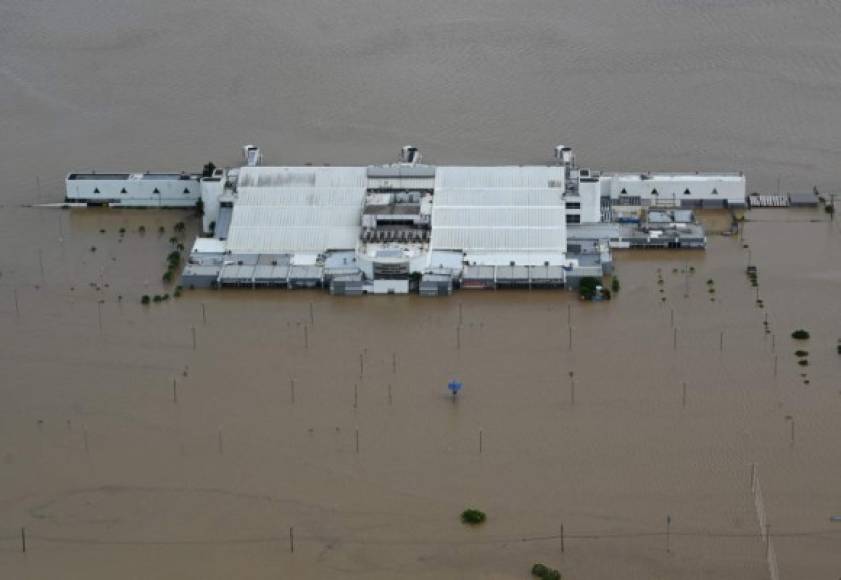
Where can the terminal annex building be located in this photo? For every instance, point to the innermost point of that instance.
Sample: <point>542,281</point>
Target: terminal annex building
<point>409,226</point>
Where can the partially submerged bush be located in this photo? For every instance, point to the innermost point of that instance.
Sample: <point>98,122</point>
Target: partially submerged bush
<point>587,287</point>
<point>145,299</point>
<point>614,285</point>
<point>800,334</point>
<point>545,572</point>
<point>473,517</point>
<point>801,353</point>
<point>803,362</point>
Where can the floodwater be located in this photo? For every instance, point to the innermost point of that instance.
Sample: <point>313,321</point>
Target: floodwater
<point>114,473</point>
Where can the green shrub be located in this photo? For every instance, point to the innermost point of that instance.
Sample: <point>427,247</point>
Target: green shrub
<point>800,334</point>
<point>145,299</point>
<point>93,248</point>
<point>587,287</point>
<point>179,227</point>
<point>839,349</point>
<point>142,229</point>
<point>829,209</point>
<point>545,572</point>
<point>161,229</point>
<point>122,230</point>
<point>801,353</point>
<point>614,285</point>
<point>803,362</point>
<point>167,277</point>
<point>157,298</point>
<point>473,517</point>
<point>710,282</point>
<point>177,292</point>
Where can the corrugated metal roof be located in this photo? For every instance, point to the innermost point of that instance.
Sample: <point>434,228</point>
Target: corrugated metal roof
<point>489,196</point>
<point>502,240</point>
<point>498,217</point>
<point>286,177</point>
<point>277,220</point>
<point>300,196</point>
<point>529,176</point>
<point>514,211</point>
<point>401,171</point>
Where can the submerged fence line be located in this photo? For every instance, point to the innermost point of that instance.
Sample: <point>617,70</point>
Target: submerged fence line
<point>590,535</point>
<point>764,528</point>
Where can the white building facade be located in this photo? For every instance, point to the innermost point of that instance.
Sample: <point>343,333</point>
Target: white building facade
<point>133,189</point>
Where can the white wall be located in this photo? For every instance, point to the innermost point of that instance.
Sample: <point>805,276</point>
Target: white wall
<point>671,188</point>
<point>139,192</point>
<point>589,193</point>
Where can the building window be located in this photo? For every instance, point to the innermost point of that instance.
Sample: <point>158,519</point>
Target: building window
<point>573,218</point>
<point>686,191</point>
<point>573,205</point>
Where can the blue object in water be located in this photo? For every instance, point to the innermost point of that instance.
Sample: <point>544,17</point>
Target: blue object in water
<point>455,387</point>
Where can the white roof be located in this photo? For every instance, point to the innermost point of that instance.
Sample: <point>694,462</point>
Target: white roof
<point>500,210</point>
<point>208,246</point>
<point>297,209</point>
<point>506,176</point>
<point>669,177</point>
<point>286,177</point>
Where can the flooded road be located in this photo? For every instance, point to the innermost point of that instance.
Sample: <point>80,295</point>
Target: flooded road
<point>113,471</point>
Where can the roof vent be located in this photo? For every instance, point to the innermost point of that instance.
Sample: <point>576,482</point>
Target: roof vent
<point>564,155</point>
<point>252,155</point>
<point>410,154</point>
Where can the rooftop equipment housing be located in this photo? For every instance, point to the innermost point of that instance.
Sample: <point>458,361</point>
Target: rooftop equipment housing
<point>410,154</point>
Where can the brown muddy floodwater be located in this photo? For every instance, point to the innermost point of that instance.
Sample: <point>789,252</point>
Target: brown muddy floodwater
<point>113,478</point>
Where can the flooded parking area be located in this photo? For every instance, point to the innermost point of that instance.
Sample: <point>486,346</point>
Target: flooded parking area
<point>271,433</point>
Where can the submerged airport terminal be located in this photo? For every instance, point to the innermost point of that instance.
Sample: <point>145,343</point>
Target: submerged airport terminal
<point>411,227</point>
